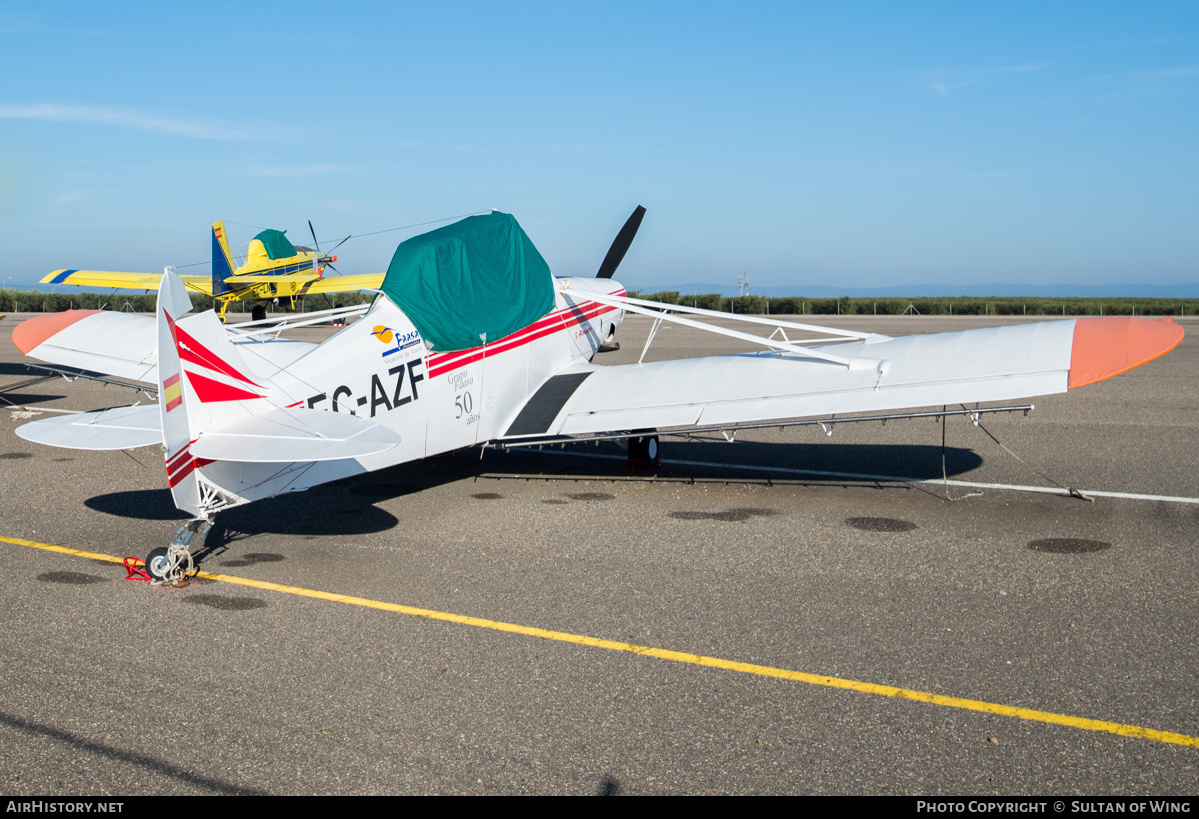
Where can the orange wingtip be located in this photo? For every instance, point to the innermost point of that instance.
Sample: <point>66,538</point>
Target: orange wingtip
<point>1104,347</point>
<point>32,332</point>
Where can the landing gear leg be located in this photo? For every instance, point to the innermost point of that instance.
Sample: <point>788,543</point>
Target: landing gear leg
<point>173,564</point>
<point>610,344</point>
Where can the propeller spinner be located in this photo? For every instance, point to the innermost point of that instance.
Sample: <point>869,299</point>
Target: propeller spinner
<point>327,259</point>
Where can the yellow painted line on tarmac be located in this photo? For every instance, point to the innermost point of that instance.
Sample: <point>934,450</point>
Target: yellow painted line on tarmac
<point>49,547</point>
<point>677,656</point>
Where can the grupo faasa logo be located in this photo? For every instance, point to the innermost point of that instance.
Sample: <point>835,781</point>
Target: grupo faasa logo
<point>393,341</point>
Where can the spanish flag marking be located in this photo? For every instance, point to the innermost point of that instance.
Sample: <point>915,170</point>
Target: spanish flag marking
<point>172,392</point>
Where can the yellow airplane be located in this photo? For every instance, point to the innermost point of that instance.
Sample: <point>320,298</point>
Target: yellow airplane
<point>274,268</point>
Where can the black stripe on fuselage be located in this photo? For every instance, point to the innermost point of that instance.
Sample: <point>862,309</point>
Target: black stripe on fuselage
<point>543,407</point>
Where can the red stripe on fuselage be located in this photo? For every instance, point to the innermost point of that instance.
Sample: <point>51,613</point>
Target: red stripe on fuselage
<point>438,367</point>
<point>553,319</point>
<point>558,320</point>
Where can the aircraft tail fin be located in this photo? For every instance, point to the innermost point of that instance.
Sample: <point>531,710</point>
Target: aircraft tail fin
<point>172,389</point>
<point>222,259</point>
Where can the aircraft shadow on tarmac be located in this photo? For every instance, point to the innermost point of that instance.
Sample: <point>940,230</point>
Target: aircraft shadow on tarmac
<point>12,368</point>
<point>907,460</point>
<point>719,460</point>
<point>334,511</point>
<point>347,507</point>
<point>25,398</point>
<point>692,460</point>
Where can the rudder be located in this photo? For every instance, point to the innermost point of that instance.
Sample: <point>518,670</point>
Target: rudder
<point>222,259</point>
<point>172,404</point>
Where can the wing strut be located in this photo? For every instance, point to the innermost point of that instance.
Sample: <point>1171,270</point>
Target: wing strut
<point>658,311</point>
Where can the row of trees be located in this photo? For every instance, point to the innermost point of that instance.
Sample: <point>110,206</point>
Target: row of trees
<point>929,306</point>
<point>25,301</point>
<point>17,301</point>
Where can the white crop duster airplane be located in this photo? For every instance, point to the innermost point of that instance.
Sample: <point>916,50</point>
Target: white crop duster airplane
<point>472,340</point>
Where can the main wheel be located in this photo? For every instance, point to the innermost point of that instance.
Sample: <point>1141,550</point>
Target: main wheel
<point>610,344</point>
<point>157,564</point>
<point>257,312</point>
<point>643,453</point>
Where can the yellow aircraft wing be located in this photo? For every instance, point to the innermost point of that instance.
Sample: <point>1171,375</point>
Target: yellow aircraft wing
<point>327,284</point>
<point>271,278</point>
<point>341,284</point>
<point>123,281</point>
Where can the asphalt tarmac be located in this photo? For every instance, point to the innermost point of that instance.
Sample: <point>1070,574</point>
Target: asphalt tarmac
<point>924,613</point>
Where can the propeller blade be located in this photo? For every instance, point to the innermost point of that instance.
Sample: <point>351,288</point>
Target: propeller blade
<point>339,244</point>
<point>313,232</point>
<point>620,245</point>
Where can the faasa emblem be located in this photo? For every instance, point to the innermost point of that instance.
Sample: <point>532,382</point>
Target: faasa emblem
<point>393,340</point>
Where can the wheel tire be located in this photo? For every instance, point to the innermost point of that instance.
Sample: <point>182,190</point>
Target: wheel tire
<point>610,344</point>
<point>257,312</point>
<point>645,450</point>
<point>157,563</point>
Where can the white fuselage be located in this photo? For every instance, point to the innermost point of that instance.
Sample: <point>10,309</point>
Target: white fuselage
<point>380,368</point>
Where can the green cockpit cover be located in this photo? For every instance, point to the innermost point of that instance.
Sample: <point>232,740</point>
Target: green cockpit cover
<point>480,275</point>
<point>276,244</point>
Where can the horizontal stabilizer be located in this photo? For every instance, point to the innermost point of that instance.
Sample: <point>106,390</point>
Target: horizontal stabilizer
<point>117,428</point>
<point>293,435</point>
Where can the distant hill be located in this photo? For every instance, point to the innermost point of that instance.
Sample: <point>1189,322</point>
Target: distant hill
<point>824,291</point>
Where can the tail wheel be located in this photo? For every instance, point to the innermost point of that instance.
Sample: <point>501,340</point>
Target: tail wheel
<point>157,564</point>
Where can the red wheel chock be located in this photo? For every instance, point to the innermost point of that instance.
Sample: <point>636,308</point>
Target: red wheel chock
<point>133,570</point>
<point>636,466</point>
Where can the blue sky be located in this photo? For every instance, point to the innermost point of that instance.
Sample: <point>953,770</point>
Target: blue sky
<point>857,144</point>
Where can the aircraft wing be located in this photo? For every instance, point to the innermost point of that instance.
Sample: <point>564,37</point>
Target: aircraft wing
<point>341,284</point>
<point>990,364</point>
<point>314,284</point>
<point>124,281</point>
<point>118,344</point>
<point>102,341</point>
